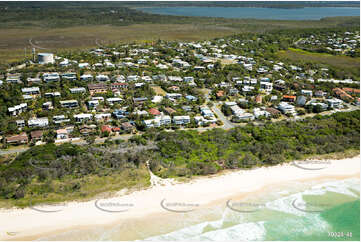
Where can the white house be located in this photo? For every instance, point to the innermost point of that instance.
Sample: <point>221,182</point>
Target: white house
<point>83,117</point>
<point>180,120</point>
<point>38,122</point>
<point>17,109</point>
<point>286,108</point>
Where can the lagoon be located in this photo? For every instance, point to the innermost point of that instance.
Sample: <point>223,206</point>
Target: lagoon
<point>308,13</point>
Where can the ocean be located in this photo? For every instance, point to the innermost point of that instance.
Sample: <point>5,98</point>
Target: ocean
<point>308,13</point>
<point>326,210</point>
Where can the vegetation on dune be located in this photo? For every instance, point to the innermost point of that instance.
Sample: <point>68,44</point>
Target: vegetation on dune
<point>51,173</point>
<point>343,66</point>
<point>186,153</point>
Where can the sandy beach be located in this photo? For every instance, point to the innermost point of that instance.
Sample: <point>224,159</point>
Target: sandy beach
<point>165,197</point>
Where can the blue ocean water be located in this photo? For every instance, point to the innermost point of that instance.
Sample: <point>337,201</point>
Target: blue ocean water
<point>331,212</point>
<point>311,13</point>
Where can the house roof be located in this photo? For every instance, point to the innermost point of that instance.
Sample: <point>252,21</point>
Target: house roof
<point>36,134</point>
<point>169,110</point>
<point>220,93</point>
<point>154,111</point>
<point>17,138</point>
<point>106,128</point>
<point>61,131</point>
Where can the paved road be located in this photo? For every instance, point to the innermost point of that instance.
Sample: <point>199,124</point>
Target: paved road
<point>226,123</point>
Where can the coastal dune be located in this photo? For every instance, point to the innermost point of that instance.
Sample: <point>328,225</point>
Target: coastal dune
<point>164,197</point>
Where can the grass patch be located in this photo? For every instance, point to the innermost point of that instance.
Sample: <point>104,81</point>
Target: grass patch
<point>159,91</point>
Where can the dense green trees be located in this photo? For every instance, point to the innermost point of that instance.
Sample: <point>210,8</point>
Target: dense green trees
<point>250,146</point>
<point>68,170</point>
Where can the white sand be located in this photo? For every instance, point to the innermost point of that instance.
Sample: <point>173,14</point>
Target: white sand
<point>29,223</point>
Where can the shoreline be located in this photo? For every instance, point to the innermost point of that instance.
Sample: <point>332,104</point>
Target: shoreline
<point>28,223</point>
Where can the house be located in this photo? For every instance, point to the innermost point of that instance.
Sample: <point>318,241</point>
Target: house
<point>323,106</point>
<point>119,113</point>
<point>173,95</point>
<point>157,99</point>
<point>201,120</point>
<point>244,117</point>
<point>86,77</point>
<point>114,100</point>
<point>288,98</point>
<point>247,88</point>
<point>157,121</point>
<point>220,94</point>
<point>17,139</point>
<point>169,110</point>
<point>181,120</point>
<point>306,92</point>
<point>266,86</point>
<point>188,79</point>
<point>258,99</point>
<point>97,88</point>
<point>191,98</point>
<point>38,122</point>
<point>102,116</point>
<point>32,81</point>
<point>301,100</point>
<point>342,94</point>
<point>20,123</point>
<point>70,76</point>
<point>102,78</point>
<point>92,104</point>
<point>36,135</point>
<point>286,108</point>
<point>83,117</point>
<point>119,86</point>
<point>51,77</point>
<point>140,100</point>
<point>87,129</point>
<point>77,90</point>
<point>320,93</point>
<point>127,126</point>
<point>187,108</point>
<point>131,78</point>
<point>233,91</point>
<point>174,88</point>
<point>334,103</point>
<point>83,65</point>
<point>31,91</point>
<point>17,109</point>
<point>154,111</point>
<point>14,78</point>
<point>175,78</point>
<point>51,94</point>
<point>69,103</point>
<point>115,129</point>
<point>59,119</point>
<point>47,105</point>
<point>106,128</point>
<point>62,134</point>
<point>257,112</point>
<point>274,112</point>
<point>351,90</point>
<point>206,112</point>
